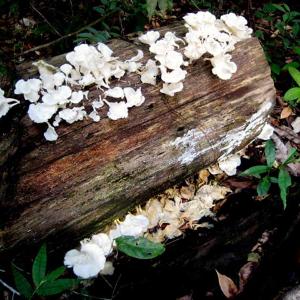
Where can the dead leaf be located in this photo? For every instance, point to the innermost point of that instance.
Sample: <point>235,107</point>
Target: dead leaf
<point>286,112</point>
<point>203,176</point>
<point>282,151</point>
<point>245,273</point>
<point>227,286</point>
<point>187,192</point>
<point>186,297</point>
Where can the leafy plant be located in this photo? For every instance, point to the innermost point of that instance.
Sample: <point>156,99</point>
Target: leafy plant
<point>141,247</point>
<point>158,7</point>
<point>93,36</point>
<point>293,94</point>
<point>283,31</point>
<point>265,173</point>
<point>44,284</point>
<point>105,32</point>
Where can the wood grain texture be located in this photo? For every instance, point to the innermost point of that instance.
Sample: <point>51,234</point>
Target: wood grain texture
<point>96,172</point>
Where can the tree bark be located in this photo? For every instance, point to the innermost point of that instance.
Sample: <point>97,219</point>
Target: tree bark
<point>95,172</point>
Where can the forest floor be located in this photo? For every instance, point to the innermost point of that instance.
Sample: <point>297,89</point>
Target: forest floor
<point>266,264</point>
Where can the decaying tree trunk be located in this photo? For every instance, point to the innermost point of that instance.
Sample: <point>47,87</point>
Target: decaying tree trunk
<point>95,172</point>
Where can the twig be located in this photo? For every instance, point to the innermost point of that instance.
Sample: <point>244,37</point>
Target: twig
<point>9,287</point>
<point>195,4</point>
<point>106,281</point>
<point>115,287</point>
<point>89,296</point>
<point>63,37</point>
<point>45,19</point>
<point>72,11</point>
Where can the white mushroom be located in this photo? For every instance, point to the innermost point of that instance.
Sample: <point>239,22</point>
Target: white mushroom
<point>149,37</point>
<point>117,110</point>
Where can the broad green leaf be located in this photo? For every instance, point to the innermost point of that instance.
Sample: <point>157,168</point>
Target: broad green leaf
<point>270,153</point>
<point>55,274</point>
<point>291,156</point>
<point>139,247</point>
<point>256,171</point>
<point>151,7</point>
<point>295,74</point>
<point>284,182</point>
<point>22,284</point>
<point>279,7</point>
<point>295,30</point>
<point>297,50</point>
<point>259,34</point>
<point>286,17</point>
<point>292,94</point>
<point>294,64</point>
<point>39,266</point>
<point>56,287</point>
<point>275,69</point>
<point>263,186</point>
<point>269,8</point>
<point>286,7</point>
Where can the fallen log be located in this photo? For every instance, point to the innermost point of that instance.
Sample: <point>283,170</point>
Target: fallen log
<point>96,172</point>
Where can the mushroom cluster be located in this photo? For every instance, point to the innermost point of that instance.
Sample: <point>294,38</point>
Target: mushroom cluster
<point>216,37</point>
<point>90,260</point>
<point>170,61</point>
<point>164,217</point>
<point>59,94</point>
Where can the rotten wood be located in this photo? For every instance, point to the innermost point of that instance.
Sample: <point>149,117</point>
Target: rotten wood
<point>95,172</point>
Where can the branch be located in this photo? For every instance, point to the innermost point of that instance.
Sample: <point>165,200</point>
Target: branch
<point>64,37</point>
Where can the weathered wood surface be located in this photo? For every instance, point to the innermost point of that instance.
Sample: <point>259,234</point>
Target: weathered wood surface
<point>98,171</point>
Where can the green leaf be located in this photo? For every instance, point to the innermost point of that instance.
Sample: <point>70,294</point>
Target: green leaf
<point>295,74</point>
<point>294,64</point>
<point>292,94</point>
<point>278,7</point>
<point>286,7</point>
<point>55,287</point>
<point>39,266</point>
<point>270,153</point>
<point>259,34</point>
<point>263,186</point>
<point>295,30</point>
<point>99,10</point>
<point>140,248</point>
<point>151,7</point>
<point>22,284</point>
<point>256,171</point>
<point>284,182</point>
<point>55,274</point>
<point>296,50</point>
<point>275,69</point>
<point>291,156</point>
<point>269,8</point>
<point>165,5</point>
<point>274,179</point>
<point>286,17</point>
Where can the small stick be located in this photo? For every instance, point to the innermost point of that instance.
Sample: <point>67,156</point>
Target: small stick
<point>53,28</point>
<point>9,287</point>
<point>63,37</point>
